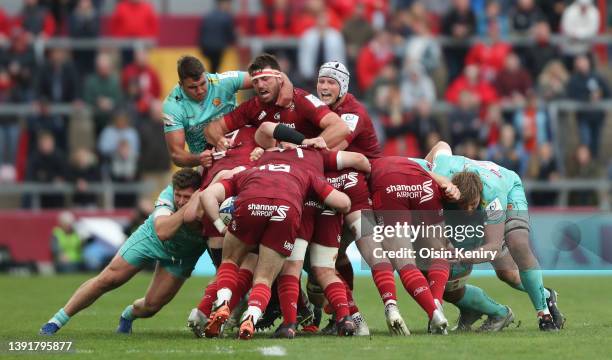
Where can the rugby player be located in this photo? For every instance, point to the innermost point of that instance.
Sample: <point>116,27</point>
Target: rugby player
<point>268,211</point>
<point>163,238</point>
<point>402,191</point>
<point>323,245</point>
<point>503,199</point>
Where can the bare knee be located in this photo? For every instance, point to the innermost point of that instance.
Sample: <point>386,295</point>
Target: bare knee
<point>510,277</point>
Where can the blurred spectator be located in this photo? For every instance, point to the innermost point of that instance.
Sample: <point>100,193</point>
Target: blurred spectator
<point>491,55</point>
<point>580,22</point>
<point>9,138</point>
<point>36,19</point>
<point>422,47</point>
<point>553,10</point>
<point>506,153</point>
<point>217,33</point>
<point>463,120</point>
<point>584,168</point>
<point>459,23</point>
<point>20,63</point>
<point>357,32</point>
<point>588,87</point>
<point>5,28</point>
<point>124,169</point>
<point>66,245</point>
<point>484,94</point>
<point>543,167</point>
<point>491,14</point>
<point>47,165</point>
<point>493,121</point>
<point>310,15</point>
<point>373,57</point>
<point>84,22</point>
<point>102,91</point>
<point>379,93</point>
<point>58,79</point>
<point>542,52</point>
<point>154,165</point>
<point>116,132</point>
<point>140,82</point>
<point>512,82</point>
<point>278,19</point>
<point>470,149</point>
<point>318,45</point>
<point>84,169</point>
<point>553,80</point>
<point>416,87</point>
<point>134,19</point>
<point>531,123</point>
<point>45,121</point>
<point>524,16</point>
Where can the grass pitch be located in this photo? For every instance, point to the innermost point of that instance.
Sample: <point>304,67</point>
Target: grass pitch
<point>28,302</point>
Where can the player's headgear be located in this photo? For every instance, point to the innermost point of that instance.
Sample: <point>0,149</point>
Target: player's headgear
<point>337,71</point>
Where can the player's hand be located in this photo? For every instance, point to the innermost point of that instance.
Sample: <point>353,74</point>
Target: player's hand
<point>206,158</point>
<point>451,191</point>
<point>222,144</point>
<point>317,143</point>
<point>256,154</point>
<point>285,95</point>
<point>287,145</point>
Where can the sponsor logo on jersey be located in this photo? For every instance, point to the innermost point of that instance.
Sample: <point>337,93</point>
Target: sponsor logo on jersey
<point>344,181</point>
<point>291,125</point>
<point>281,214</point>
<point>423,191</point>
<point>228,74</point>
<point>169,120</point>
<point>261,115</point>
<point>314,100</point>
<point>277,116</point>
<point>350,120</point>
<point>288,246</point>
<point>216,102</point>
<point>494,210</point>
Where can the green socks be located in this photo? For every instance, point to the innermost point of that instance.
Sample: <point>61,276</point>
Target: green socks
<point>60,318</point>
<point>476,299</point>
<point>534,286</point>
<point>127,313</point>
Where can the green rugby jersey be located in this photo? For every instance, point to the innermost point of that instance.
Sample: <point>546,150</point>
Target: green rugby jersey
<point>181,112</point>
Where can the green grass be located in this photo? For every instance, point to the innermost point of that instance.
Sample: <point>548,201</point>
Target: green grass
<point>27,302</point>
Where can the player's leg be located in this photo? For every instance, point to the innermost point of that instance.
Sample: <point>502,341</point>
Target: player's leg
<point>245,279</point>
<point>161,291</point>
<point>268,267</point>
<point>117,273</point>
<point>288,286</point>
<point>234,250</point>
<point>473,302</point>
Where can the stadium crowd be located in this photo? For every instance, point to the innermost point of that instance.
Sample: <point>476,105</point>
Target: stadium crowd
<point>407,57</point>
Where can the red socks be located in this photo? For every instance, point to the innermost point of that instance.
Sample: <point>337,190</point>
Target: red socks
<point>437,275</point>
<point>382,274</point>
<point>416,285</point>
<point>288,293</point>
<point>243,285</point>
<point>227,276</point>
<point>336,295</point>
<point>351,302</point>
<point>260,296</point>
<point>210,294</point>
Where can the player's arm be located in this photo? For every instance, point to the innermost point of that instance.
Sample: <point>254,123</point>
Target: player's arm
<point>441,148</point>
<point>193,210</point>
<point>215,134</point>
<point>268,133</point>
<point>175,141</point>
<point>167,223</point>
<point>331,197</point>
<point>210,200</point>
<point>350,159</point>
<point>451,191</point>
<point>334,131</point>
<point>494,238</point>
